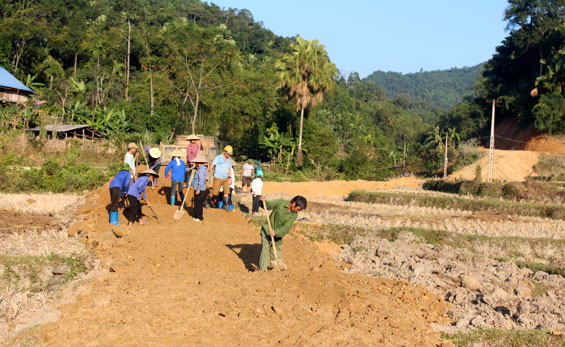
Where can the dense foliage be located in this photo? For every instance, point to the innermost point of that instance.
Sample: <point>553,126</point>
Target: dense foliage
<point>443,88</point>
<point>527,73</point>
<point>154,69</point>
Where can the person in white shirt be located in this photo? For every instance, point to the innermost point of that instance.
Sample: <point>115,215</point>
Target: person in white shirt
<point>257,191</point>
<point>246,174</point>
<point>130,159</point>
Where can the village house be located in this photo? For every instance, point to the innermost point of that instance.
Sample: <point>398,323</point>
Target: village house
<point>11,89</point>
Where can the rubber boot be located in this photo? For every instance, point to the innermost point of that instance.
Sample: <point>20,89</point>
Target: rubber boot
<point>225,203</point>
<point>172,201</point>
<point>220,204</point>
<point>114,218</point>
<point>231,207</point>
<point>181,197</point>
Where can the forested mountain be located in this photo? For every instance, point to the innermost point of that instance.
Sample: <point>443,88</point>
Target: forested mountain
<point>442,88</point>
<point>152,69</point>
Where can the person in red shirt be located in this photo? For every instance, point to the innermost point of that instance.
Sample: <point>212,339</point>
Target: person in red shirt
<point>192,149</point>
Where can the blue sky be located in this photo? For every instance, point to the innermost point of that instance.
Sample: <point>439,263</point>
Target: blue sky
<point>401,36</point>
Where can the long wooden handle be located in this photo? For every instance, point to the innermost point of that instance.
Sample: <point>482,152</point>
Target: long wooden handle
<point>187,189</point>
<point>271,229</point>
<point>146,161</point>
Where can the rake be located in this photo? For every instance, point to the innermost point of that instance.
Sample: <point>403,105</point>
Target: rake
<point>180,212</point>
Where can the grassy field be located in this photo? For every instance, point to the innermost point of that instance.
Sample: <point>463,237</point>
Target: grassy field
<point>505,338</point>
<point>468,204</point>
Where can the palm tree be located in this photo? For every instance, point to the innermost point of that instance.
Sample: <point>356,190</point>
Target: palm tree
<point>305,74</point>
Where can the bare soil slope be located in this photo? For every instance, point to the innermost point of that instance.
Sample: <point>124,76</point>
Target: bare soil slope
<point>511,166</point>
<point>338,188</point>
<point>182,282</point>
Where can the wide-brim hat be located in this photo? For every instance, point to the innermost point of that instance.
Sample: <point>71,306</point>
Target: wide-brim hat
<point>199,159</point>
<point>150,172</point>
<point>176,153</point>
<point>132,145</point>
<point>155,153</point>
<point>192,137</point>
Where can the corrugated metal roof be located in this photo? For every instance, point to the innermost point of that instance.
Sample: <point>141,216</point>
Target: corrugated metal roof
<point>8,80</point>
<point>60,127</point>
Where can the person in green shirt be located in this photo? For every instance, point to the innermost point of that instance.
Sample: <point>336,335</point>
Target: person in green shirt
<point>283,216</point>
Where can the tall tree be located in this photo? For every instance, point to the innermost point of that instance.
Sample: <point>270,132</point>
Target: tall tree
<point>305,74</point>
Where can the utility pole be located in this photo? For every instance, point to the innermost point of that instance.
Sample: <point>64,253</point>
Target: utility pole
<point>404,160</point>
<point>445,155</point>
<point>491,144</point>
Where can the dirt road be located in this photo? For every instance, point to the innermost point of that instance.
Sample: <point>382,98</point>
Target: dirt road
<point>184,283</point>
<point>338,188</point>
<point>511,166</point>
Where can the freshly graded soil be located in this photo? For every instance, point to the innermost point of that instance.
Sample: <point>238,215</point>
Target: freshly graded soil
<point>183,282</point>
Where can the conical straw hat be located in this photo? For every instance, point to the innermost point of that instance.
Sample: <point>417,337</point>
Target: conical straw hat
<point>155,153</point>
<point>192,137</point>
<point>200,158</point>
<point>150,172</point>
<point>176,153</point>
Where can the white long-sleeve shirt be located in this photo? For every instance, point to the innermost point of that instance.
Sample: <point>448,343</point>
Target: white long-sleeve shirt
<point>257,186</point>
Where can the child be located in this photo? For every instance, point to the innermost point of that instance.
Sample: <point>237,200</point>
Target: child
<point>178,169</point>
<point>118,189</point>
<point>256,190</point>
<point>134,196</point>
<point>283,216</point>
<point>199,185</point>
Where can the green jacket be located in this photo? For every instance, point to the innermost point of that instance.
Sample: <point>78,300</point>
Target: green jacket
<point>281,218</point>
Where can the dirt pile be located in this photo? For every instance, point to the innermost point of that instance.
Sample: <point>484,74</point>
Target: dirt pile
<point>485,293</point>
<point>511,136</point>
<point>338,188</point>
<point>179,282</point>
<point>511,166</point>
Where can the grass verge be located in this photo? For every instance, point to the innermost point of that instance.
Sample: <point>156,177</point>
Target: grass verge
<point>467,204</point>
<point>25,272</point>
<point>505,338</point>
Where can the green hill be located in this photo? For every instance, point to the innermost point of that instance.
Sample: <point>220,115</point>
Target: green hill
<point>441,88</point>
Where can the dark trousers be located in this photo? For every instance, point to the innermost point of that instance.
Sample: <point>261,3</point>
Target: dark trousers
<point>256,203</point>
<point>115,196</point>
<point>199,204</point>
<point>134,209</point>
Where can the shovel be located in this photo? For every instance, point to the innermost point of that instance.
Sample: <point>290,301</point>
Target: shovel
<point>146,161</point>
<point>276,261</point>
<point>152,210</point>
<point>180,212</point>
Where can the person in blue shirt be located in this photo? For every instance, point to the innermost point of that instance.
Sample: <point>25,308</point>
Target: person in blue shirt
<point>199,185</point>
<point>178,171</point>
<point>222,177</point>
<point>118,189</point>
<point>134,196</point>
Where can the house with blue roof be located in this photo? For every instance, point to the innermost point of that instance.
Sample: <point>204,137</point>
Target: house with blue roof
<point>11,89</point>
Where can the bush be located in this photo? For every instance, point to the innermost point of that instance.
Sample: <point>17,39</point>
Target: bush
<point>68,174</point>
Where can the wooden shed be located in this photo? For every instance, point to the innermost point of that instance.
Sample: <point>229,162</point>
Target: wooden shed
<point>64,131</point>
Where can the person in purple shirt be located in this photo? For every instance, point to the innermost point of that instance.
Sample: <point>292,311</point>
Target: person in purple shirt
<point>118,189</point>
<point>134,196</point>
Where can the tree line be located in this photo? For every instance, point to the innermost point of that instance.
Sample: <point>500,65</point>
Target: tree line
<point>154,69</point>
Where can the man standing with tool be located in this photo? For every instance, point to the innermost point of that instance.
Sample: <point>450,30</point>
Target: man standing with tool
<point>281,219</point>
<point>130,159</point>
<point>222,177</point>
